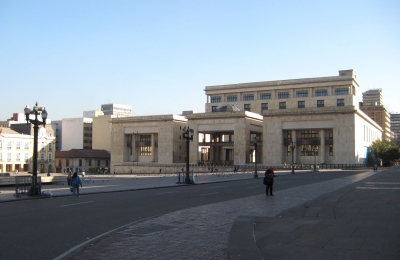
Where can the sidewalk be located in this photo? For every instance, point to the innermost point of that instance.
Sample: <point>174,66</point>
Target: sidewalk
<point>110,183</point>
<point>359,221</point>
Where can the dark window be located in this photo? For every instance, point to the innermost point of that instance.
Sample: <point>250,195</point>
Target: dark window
<point>331,150</point>
<point>282,105</point>
<point>264,96</point>
<point>341,91</point>
<point>247,107</point>
<point>215,99</point>
<point>231,98</point>
<point>90,162</point>
<point>67,162</point>
<point>340,102</point>
<point>302,93</point>
<point>214,108</point>
<point>283,95</point>
<point>321,92</point>
<point>247,97</point>
<point>264,106</point>
<point>301,104</point>
<point>320,103</point>
<point>80,162</point>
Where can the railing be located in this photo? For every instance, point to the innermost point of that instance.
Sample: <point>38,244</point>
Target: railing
<point>23,185</point>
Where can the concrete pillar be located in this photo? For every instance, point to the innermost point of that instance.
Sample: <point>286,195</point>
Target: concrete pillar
<point>296,149</point>
<point>322,148</point>
<point>152,148</point>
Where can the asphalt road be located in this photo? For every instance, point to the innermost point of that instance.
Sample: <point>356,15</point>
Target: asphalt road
<point>46,228</point>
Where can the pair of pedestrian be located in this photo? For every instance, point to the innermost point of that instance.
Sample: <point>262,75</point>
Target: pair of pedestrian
<point>269,181</point>
<point>75,183</point>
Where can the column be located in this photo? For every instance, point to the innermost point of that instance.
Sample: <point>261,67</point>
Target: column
<point>295,150</point>
<point>152,148</point>
<point>321,157</point>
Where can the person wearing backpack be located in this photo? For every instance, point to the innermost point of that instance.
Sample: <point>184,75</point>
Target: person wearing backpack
<point>76,182</point>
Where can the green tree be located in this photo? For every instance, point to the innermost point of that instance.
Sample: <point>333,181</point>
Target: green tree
<point>385,150</point>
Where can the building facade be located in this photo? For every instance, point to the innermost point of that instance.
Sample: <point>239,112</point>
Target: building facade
<point>320,115</point>
<point>16,151</point>
<point>77,133</point>
<point>83,160</point>
<point>395,127</point>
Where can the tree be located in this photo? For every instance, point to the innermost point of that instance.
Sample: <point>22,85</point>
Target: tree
<point>385,150</point>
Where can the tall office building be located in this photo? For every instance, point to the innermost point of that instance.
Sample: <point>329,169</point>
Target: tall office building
<point>116,109</point>
<point>395,126</point>
<point>372,105</point>
<point>372,97</point>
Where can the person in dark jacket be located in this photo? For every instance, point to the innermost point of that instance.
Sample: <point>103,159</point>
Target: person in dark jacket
<point>76,182</point>
<point>269,175</point>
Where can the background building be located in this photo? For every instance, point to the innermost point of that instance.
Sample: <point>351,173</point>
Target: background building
<point>395,127</point>
<point>83,160</point>
<point>76,133</point>
<point>116,109</point>
<point>373,106</point>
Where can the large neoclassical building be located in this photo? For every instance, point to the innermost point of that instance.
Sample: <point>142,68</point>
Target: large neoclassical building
<point>317,114</point>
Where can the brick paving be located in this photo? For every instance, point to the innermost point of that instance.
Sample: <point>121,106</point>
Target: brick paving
<point>200,232</point>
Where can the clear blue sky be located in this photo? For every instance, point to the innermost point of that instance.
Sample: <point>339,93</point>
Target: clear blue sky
<point>158,56</point>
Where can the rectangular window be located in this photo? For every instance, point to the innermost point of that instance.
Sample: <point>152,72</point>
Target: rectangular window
<point>302,93</point>
<point>8,157</point>
<point>80,162</point>
<point>42,157</point>
<point>264,106</point>
<point>341,91</point>
<point>320,103</point>
<point>283,95</point>
<point>301,104</point>
<point>50,157</point>
<point>214,108</point>
<point>247,107</point>
<point>98,163</point>
<point>247,97</point>
<point>282,105</point>
<point>340,102</point>
<point>264,96</point>
<point>9,145</point>
<point>26,146</point>
<point>145,151</point>
<point>289,151</point>
<point>331,150</point>
<point>18,157</point>
<point>321,92</point>
<point>50,146</point>
<point>215,99</point>
<point>26,157</point>
<point>90,162</point>
<point>18,145</point>
<point>231,98</point>
<point>67,162</point>
<point>1,145</point>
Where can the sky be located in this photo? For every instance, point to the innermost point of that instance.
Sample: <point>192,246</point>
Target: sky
<point>158,56</point>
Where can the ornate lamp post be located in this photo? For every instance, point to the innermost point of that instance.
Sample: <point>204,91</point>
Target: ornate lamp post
<point>36,110</point>
<point>315,150</point>
<point>187,134</point>
<point>255,141</point>
<point>292,147</point>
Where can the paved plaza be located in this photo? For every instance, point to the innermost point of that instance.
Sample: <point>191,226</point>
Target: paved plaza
<point>343,218</point>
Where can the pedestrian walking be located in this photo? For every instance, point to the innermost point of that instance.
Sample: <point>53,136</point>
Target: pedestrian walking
<point>269,181</point>
<point>69,178</point>
<point>76,182</point>
<point>375,167</point>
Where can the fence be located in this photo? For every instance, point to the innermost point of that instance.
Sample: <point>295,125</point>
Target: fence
<point>23,185</point>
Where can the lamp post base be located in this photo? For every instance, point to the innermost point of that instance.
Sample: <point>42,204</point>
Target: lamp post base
<point>255,176</point>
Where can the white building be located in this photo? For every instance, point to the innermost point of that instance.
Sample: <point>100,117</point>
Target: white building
<point>76,133</point>
<point>116,109</point>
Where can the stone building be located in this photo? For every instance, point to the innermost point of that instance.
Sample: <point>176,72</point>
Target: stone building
<point>321,115</point>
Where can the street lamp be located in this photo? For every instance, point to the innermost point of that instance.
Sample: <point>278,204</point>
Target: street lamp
<point>292,146</point>
<point>35,111</point>
<point>315,150</point>
<point>187,134</point>
<point>255,141</point>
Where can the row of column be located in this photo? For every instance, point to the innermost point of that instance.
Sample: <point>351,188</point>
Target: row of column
<point>321,147</point>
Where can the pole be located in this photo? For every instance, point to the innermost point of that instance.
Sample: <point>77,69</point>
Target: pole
<point>292,158</point>
<point>315,165</point>
<point>187,180</point>
<point>35,155</point>
<point>255,161</point>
